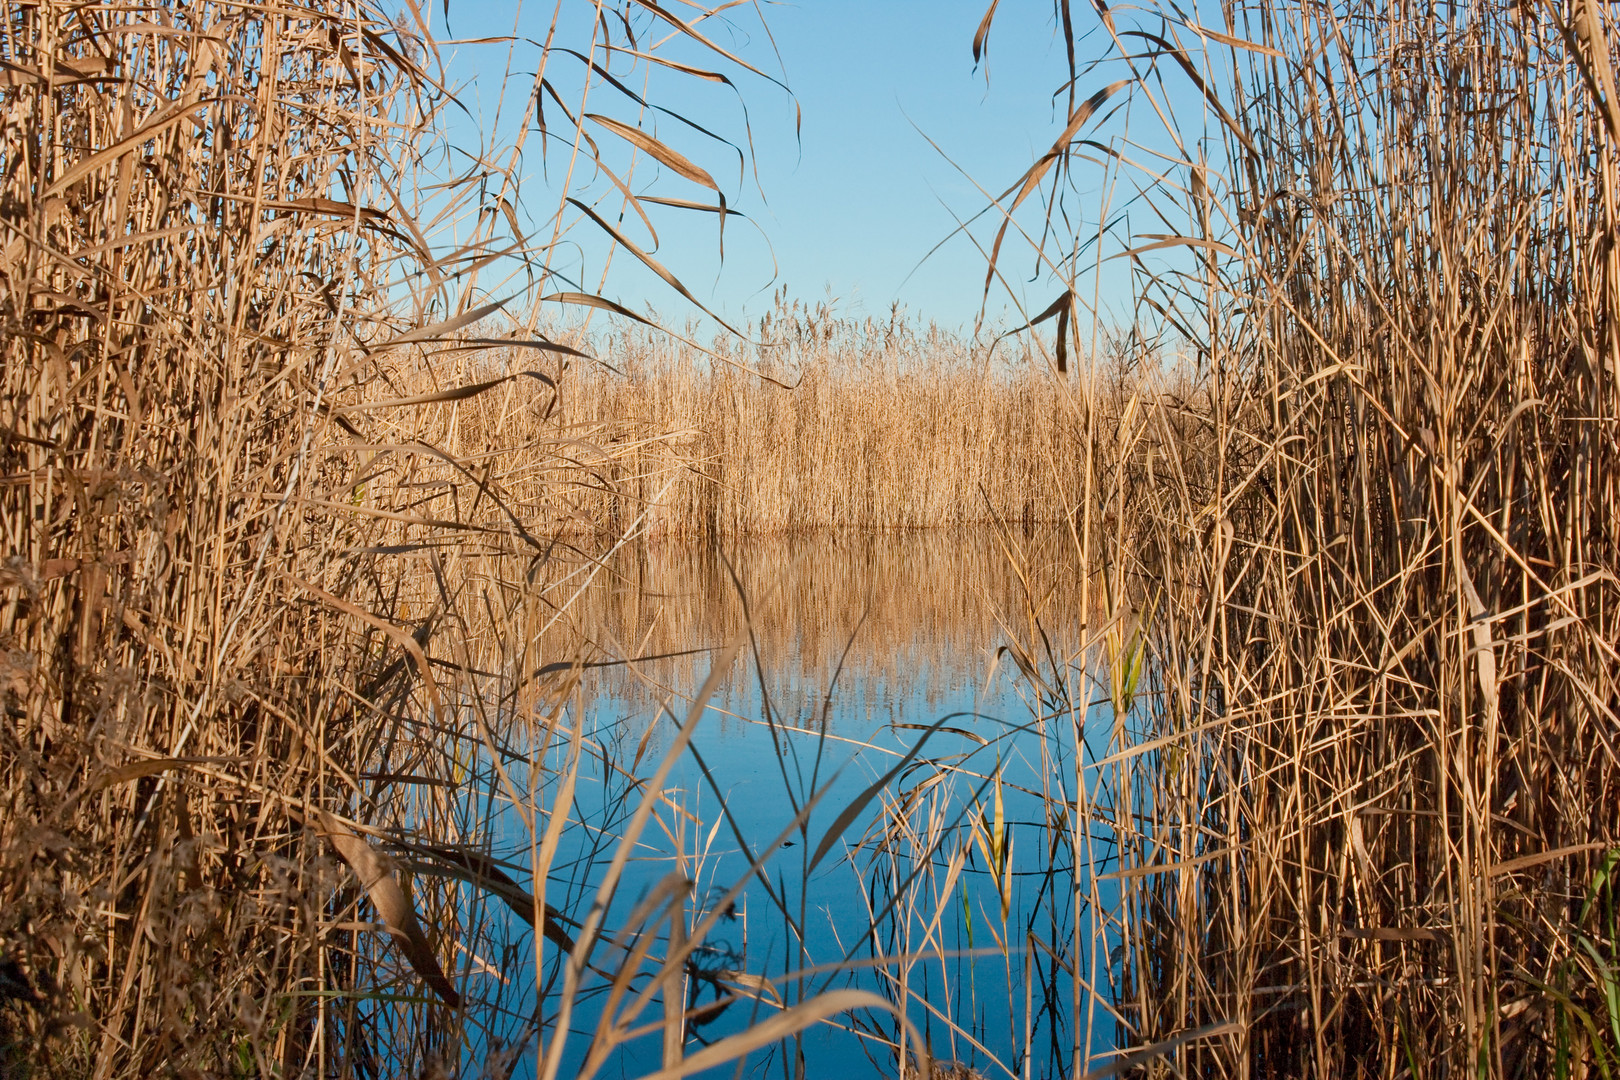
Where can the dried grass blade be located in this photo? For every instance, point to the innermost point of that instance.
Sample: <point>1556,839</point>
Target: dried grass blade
<point>664,154</point>
<point>653,264</point>
<point>376,873</point>
<point>1525,862</point>
<point>1159,1049</point>
<point>848,815</point>
<point>695,36</point>
<point>458,393</point>
<point>818,1009</point>
<point>136,770</point>
<point>448,326</point>
<point>982,34</point>
<point>1036,172</point>
<point>479,869</point>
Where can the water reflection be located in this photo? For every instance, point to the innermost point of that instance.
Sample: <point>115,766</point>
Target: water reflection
<point>858,645</point>
<point>852,631</point>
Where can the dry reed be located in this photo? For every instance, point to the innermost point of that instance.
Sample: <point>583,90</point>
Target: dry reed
<point>281,556</point>
<point>1367,799</point>
<point>266,618</point>
<point>862,424</point>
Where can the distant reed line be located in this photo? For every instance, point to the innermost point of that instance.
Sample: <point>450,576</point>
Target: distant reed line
<point>882,430</point>
<point>887,424</point>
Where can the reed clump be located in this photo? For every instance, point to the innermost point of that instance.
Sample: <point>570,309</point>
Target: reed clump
<point>1365,804</point>
<point>195,201</point>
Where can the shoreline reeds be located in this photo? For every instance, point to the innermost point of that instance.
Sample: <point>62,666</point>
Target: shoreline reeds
<point>1366,807</point>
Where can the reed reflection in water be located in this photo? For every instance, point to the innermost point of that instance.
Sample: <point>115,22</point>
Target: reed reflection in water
<point>859,644</point>
<point>849,631</point>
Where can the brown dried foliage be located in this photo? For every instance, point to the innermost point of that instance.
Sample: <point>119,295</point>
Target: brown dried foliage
<point>1364,822</point>
<point>235,539</point>
<point>174,277</point>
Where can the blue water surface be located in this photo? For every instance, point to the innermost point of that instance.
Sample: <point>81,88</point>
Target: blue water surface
<point>826,698</point>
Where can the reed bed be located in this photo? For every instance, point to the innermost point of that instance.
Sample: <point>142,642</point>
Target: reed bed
<point>300,559</point>
<point>265,615</point>
<point>1363,798</point>
<point>858,423</point>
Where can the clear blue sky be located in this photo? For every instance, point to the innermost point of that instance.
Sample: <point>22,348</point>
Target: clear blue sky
<point>857,204</point>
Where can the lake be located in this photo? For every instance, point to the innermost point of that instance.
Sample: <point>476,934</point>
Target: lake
<point>950,892</point>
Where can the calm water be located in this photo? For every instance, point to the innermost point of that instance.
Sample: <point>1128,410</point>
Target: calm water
<point>856,647</point>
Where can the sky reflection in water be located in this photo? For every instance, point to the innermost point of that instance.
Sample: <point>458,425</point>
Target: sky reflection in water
<point>857,645</point>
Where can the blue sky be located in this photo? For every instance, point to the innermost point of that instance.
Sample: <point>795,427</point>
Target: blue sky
<point>854,207</point>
